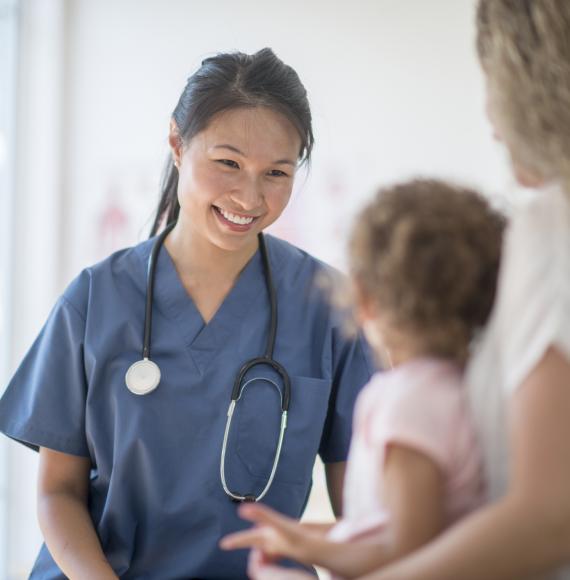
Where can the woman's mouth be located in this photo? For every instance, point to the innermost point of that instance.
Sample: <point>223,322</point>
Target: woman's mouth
<point>236,222</point>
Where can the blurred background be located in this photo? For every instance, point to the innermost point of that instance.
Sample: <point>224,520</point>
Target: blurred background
<point>86,92</point>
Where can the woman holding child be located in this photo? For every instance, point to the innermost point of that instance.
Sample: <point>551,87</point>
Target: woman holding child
<point>518,376</point>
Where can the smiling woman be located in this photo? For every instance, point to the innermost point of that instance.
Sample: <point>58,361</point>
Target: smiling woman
<point>134,485</point>
<point>235,176</point>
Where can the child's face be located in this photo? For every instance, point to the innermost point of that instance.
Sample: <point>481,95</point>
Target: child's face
<point>373,328</point>
<point>375,339</point>
<point>373,335</point>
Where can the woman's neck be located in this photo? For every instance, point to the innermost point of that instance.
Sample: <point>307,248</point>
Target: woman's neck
<point>196,258</point>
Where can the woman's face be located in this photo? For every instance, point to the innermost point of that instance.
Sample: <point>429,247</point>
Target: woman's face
<point>236,176</point>
<point>524,176</point>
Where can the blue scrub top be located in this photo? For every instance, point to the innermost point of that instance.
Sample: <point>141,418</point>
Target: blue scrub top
<point>156,498</point>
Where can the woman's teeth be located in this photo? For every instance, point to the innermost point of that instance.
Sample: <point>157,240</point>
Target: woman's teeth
<point>235,219</point>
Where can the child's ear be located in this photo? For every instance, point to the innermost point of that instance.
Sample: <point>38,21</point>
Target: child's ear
<point>366,309</point>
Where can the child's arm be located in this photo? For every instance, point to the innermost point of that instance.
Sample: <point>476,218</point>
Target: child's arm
<point>413,486</point>
<point>414,498</point>
<point>527,532</point>
<point>276,535</point>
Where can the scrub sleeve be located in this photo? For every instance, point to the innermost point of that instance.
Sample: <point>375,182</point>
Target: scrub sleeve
<point>354,367</point>
<point>44,405</point>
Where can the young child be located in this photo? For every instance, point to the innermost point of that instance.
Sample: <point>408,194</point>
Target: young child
<point>424,259</point>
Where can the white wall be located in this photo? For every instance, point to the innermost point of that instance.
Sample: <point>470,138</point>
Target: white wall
<point>8,59</point>
<point>34,277</point>
<point>394,84</point>
<point>395,89</point>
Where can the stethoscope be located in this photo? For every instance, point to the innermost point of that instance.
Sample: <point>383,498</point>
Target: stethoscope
<point>144,375</point>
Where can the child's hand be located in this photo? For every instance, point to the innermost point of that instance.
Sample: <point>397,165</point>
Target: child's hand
<point>260,568</point>
<point>275,535</point>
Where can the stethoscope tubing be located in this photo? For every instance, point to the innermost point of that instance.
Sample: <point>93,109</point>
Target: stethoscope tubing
<point>151,273</point>
<point>239,384</point>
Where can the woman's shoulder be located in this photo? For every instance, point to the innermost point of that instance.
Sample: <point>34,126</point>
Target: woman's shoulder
<point>543,217</point>
<point>122,270</point>
<point>532,307</point>
<point>535,251</point>
<point>293,265</point>
<point>535,261</point>
<point>303,277</point>
<point>292,256</point>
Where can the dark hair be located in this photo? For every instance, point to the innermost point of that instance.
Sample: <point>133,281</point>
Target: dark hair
<point>427,254</point>
<point>229,81</point>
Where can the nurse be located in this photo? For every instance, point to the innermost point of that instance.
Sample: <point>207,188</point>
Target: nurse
<point>130,485</point>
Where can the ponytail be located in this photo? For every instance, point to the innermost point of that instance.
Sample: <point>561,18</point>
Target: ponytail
<point>168,206</point>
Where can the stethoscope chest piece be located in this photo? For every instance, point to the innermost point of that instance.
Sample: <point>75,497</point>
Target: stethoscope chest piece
<point>142,377</point>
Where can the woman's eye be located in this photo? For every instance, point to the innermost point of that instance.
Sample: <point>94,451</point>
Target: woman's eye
<point>277,173</point>
<point>229,163</point>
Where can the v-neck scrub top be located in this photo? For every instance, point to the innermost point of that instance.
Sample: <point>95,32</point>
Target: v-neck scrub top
<point>155,497</point>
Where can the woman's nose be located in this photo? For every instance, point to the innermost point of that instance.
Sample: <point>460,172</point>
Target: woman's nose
<point>249,195</point>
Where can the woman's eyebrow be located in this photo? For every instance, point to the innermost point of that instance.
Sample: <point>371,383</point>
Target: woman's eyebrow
<point>239,152</point>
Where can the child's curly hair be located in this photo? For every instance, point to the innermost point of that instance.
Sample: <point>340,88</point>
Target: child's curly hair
<point>426,254</point>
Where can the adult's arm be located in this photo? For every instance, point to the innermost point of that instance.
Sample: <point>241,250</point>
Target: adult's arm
<point>64,518</point>
<point>335,473</point>
<point>528,531</point>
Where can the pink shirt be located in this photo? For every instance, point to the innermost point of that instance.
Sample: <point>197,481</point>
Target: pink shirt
<point>422,405</point>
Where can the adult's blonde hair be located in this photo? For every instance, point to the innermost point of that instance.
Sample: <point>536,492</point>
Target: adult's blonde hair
<point>524,47</point>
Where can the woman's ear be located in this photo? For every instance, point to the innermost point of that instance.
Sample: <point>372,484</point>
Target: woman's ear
<point>175,142</point>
